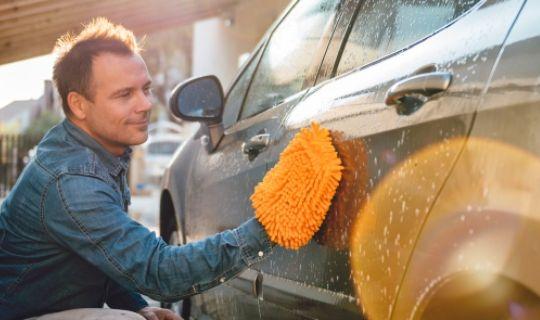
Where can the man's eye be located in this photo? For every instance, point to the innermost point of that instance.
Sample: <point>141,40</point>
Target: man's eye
<point>148,91</point>
<point>125,94</point>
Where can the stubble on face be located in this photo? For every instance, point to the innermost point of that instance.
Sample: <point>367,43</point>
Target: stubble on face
<point>120,108</point>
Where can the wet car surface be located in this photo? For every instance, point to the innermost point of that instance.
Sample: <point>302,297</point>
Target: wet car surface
<point>433,109</point>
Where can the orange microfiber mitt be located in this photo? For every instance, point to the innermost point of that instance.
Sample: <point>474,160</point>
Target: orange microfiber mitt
<point>293,198</point>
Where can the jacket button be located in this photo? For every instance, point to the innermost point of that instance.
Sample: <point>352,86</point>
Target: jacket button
<point>261,253</point>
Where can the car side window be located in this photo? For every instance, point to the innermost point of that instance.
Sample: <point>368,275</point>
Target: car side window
<point>288,54</point>
<point>237,92</point>
<point>382,27</point>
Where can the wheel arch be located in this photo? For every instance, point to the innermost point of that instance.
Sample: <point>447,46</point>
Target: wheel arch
<point>169,219</point>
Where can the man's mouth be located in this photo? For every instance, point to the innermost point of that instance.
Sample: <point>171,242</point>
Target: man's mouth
<point>139,123</point>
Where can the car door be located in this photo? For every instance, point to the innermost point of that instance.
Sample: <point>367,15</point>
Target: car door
<point>221,181</point>
<point>404,89</point>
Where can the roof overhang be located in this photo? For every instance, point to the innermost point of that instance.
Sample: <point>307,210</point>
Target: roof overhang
<point>30,28</point>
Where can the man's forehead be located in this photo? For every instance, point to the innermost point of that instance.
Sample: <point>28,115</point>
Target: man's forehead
<point>116,70</point>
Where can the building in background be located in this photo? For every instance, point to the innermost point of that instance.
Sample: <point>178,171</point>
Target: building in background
<point>221,43</point>
<point>19,116</point>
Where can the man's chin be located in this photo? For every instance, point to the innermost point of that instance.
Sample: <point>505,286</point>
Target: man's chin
<point>140,140</point>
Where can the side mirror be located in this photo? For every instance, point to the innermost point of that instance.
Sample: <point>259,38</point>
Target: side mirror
<point>198,99</point>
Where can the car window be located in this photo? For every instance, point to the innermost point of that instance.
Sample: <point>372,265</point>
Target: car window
<point>286,59</point>
<point>382,27</point>
<point>236,94</point>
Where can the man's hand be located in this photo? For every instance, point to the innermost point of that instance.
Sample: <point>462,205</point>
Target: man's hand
<point>154,313</point>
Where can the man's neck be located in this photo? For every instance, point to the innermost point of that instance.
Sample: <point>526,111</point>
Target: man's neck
<point>114,149</point>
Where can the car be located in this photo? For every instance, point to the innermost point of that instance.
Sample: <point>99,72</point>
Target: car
<point>158,151</point>
<point>433,108</point>
<point>164,138</point>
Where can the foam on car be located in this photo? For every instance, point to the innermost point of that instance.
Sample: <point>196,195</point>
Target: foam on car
<point>292,200</point>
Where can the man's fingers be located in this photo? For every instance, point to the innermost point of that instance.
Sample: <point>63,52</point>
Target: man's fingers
<point>150,316</point>
<point>155,313</point>
<point>172,316</point>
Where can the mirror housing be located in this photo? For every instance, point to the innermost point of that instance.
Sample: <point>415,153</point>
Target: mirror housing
<point>198,99</point>
<point>201,99</point>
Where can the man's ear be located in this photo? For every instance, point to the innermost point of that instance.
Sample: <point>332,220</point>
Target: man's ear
<point>77,104</point>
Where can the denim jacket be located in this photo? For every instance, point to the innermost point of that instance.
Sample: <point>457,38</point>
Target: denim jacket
<point>66,241</point>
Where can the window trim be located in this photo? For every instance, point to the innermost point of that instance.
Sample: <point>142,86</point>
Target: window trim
<point>252,58</point>
<point>334,48</point>
<point>332,25</point>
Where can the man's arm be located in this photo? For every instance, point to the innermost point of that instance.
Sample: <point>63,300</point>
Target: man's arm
<point>84,214</point>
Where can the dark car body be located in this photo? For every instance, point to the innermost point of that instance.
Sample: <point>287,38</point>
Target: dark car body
<point>433,108</point>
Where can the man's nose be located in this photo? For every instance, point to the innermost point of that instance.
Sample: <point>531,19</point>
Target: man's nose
<point>144,104</point>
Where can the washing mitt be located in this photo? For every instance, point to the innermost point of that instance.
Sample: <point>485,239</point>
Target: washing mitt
<point>294,196</point>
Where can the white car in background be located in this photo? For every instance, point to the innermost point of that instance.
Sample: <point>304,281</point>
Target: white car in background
<point>158,151</point>
<point>163,140</point>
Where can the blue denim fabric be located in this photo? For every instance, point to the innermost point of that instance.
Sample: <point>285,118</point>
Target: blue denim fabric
<point>66,240</point>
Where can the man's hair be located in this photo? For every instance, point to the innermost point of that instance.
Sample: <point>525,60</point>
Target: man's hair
<point>72,69</point>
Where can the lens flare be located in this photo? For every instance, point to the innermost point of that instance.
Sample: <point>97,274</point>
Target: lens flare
<point>400,245</point>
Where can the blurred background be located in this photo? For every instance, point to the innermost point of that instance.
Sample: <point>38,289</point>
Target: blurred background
<point>182,39</point>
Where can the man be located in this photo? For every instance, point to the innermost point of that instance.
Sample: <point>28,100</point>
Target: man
<point>66,242</point>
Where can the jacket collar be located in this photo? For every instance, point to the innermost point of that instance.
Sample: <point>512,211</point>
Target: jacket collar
<point>114,164</point>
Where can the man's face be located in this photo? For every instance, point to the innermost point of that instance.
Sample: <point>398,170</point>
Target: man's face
<point>118,115</point>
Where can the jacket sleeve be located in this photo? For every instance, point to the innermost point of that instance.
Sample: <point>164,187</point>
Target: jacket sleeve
<point>120,298</point>
<point>85,215</point>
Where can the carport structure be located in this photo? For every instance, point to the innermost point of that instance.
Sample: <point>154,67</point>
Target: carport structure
<point>29,28</point>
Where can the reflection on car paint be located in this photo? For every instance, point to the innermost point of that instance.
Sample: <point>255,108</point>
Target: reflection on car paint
<point>493,208</point>
<point>385,230</point>
<point>485,211</point>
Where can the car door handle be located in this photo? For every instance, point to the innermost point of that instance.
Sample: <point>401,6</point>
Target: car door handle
<point>409,94</point>
<point>256,144</point>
